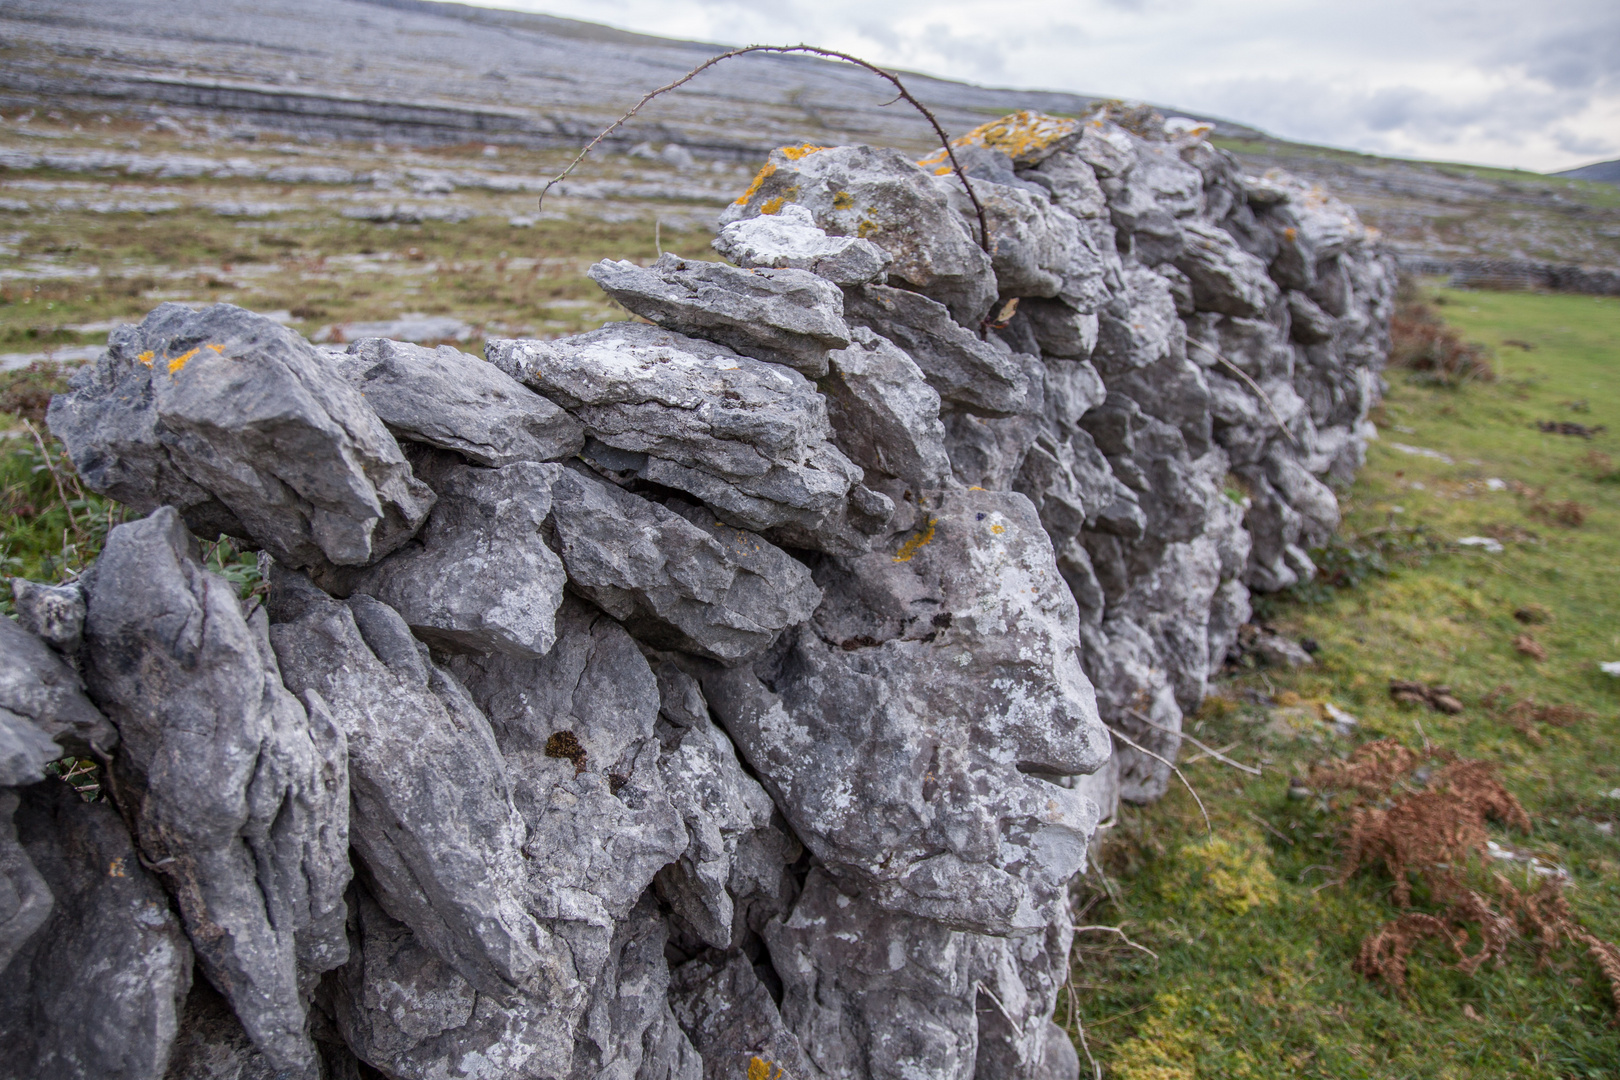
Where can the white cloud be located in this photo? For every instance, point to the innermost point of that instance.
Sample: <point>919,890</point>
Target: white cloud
<point>1492,81</point>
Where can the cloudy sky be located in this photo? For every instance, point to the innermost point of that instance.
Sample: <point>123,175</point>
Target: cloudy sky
<point>1501,82</point>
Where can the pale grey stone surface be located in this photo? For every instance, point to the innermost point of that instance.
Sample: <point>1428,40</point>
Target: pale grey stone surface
<point>791,238</point>
<point>787,316</point>
<point>478,577</point>
<point>882,196</point>
<point>237,422</point>
<point>432,818</point>
<point>239,790</point>
<point>885,416</point>
<point>677,580</point>
<point>900,760</point>
<point>749,439</point>
<point>445,398</point>
<point>54,613</point>
<point>982,376</point>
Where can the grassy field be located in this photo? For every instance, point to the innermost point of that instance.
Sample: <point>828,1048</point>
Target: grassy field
<point>1254,932</point>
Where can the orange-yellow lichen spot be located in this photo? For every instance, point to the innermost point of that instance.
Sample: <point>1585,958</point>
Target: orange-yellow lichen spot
<point>147,357</point>
<point>1020,135</point>
<point>998,529</point>
<point>1290,233</point>
<point>760,1069</point>
<point>180,361</point>
<point>794,153</point>
<point>843,200</point>
<point>759,181</point>
<point>771,206</point>
<point>220,349</point>
<point>916,543</point>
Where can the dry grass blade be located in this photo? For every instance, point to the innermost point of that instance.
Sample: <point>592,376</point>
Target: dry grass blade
<point>1121,933</point>
<point>1128,741</point>
<point>831,54</point>
<point>1218,755</point>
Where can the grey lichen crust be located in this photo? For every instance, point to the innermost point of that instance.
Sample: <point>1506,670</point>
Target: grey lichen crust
<point>673,701</point>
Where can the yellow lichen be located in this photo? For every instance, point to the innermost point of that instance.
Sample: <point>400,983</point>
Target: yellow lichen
<point>180,361</point>
<point>772,205</point>
<point>794,153</point>
<point>759,181</point>
<point>220,349</point>
<point>998,529</point>
<point>147,357</point>
<point>1022,136</point>
<point>843,200</point>
<point>867,228</point>
<point>917,541</point>
<point>760,1069</point>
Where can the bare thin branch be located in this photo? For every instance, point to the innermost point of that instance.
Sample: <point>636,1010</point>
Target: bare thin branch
<point>1244,375</point>
<point>1216,754</point>
<point>902,93</point>
<point>1123,936</point>
<point>1126,739</point>
<point>1269,827</point>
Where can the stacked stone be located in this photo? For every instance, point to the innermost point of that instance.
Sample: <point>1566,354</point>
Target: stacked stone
<point>1189,364</point>
<point>692,696</point>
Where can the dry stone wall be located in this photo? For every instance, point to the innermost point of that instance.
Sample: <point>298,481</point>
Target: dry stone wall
<point>725,690</point>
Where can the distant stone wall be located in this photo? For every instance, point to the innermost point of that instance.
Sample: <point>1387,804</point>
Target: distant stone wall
<point>730,693</point>
<point>1515,274</point>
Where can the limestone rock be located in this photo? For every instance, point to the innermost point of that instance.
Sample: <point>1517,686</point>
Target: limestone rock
<point>900,760</point>
<point>54,613</point>
<point>432,818</point>
<point>241,426</point>
<point>445,398</point>
<point>870,993</point>
<point>37,687</point>
<point>791,238</point>
<point>1224,277</point>
<point>885,416</point>
<point>478,577</point>
<point>405,1011</point>
<point>748,438</point>
<point>96,993</point>
<point>677,580</point>
<point>982,376</point>
<point>25,750</point>
<point>239,791</point>
<point>25,898</point>
<point>787,316</point>
<point>721,806</point>
<point>730,1017</point>
<point>576,730</point>
<point>881,196</point>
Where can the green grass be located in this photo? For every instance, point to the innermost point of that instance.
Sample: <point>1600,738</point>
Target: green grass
<point>1254,972</point>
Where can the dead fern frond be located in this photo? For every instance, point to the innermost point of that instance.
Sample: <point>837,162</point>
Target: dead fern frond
<point>1370,771</point>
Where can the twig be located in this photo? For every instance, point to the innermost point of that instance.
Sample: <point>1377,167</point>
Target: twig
<point>56,478</point>
<point>1126,739</point>
<point>1196,758</point>
<point>903,93</point>
<point>1216,754</point>
<point>1427,749</point>
<point>1122,934</point>
<point>1121,1016</point>
<point>1080,1029</point>
<point>1266,825</point>
<point>1244,375</point>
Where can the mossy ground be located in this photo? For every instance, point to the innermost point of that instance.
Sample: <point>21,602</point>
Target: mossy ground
<point>1254,941</point>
